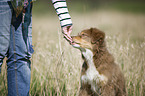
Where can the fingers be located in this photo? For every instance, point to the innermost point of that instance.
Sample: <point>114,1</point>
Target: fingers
<point>69,39</point>
<point>69,30</point>
<point>66,32</point>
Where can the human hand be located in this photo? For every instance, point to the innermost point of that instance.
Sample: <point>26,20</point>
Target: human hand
<point>66,33</point>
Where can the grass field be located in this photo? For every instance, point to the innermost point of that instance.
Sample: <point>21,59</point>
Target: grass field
<point>56,65</point>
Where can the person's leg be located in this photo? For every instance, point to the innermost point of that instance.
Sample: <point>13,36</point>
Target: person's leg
<point>5,21</point>
<point>18,63</point>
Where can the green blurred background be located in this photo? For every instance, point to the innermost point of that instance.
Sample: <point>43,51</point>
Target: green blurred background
<point>79,6</point>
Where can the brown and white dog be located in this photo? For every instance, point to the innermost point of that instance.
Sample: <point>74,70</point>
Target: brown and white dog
<point>100,75</point>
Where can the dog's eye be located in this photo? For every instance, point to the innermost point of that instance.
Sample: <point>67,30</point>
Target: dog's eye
<point>84,35</point>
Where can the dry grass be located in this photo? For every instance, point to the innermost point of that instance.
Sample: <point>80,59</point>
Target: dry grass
<point>56,65</point>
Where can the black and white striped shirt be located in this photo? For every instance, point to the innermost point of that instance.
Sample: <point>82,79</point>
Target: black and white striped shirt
<point>62,11</point>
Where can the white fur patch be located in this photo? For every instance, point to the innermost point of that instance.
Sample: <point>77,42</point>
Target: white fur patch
<point>92,76</point>
<point>76,46</point>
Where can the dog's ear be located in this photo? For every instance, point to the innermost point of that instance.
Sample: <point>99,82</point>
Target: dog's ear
<point>97,36</point>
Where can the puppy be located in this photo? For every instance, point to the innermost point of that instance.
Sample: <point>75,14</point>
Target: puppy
<point>100,75</point>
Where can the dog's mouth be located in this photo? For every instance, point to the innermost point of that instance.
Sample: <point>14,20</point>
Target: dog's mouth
<point>75,44</point>
<point>80,43</point>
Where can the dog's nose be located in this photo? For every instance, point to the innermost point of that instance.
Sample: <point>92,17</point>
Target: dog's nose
<point>72,39</point>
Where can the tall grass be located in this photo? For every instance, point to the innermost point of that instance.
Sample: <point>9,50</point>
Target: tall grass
<point>56,65</point>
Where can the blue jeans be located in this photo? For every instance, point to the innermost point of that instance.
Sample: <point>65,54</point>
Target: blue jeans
<point>15,44</point>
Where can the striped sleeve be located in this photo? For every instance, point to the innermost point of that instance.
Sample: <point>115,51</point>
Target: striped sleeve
<point>62,11</point>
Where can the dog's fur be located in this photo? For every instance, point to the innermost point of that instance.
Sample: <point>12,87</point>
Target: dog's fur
<point>100,75</point>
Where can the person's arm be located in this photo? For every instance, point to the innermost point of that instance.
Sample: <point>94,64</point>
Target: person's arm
<point>64,17</point>
<point>62,11</point>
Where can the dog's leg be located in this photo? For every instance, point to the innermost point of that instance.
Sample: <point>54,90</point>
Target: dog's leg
<point>83,92</point>
<point>108,91</point>
<point>86,90</point>
<point>84,87</point>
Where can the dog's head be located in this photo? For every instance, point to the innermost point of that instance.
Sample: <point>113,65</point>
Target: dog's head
<point>89,39</point>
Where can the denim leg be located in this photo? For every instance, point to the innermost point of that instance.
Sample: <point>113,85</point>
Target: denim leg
<point>5,21</point>
<point>18,63</point>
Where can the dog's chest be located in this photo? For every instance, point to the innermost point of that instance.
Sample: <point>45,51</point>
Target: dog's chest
<point>91,75</point>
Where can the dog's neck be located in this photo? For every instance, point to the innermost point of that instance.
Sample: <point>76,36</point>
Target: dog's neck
<point>102,55</point>
<point>88,56</point>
